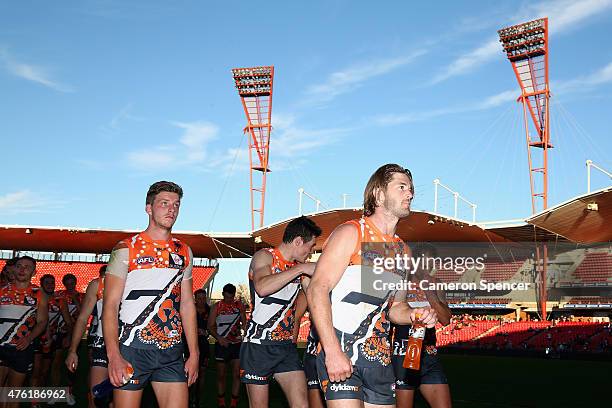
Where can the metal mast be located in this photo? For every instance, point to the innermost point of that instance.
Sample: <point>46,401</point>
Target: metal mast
<point>255,89</point>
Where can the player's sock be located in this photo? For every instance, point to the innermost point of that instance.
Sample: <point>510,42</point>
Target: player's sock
<point>221,400</point>
<point>234,402</point>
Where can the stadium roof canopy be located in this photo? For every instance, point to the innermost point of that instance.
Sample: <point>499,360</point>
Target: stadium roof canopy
<point>98,241</point>
<point>583,219</point>
<point>420,226</point>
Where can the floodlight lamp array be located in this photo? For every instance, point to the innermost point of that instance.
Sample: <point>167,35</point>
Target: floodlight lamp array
<point>253,81</point>
<point>524,40</point>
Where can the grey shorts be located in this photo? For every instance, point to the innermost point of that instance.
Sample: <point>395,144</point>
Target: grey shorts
<point>371,384</point>
<point>259,362</point>
<point>154,365</point>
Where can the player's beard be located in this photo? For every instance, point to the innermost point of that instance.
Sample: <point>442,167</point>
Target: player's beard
<point>395,208</point>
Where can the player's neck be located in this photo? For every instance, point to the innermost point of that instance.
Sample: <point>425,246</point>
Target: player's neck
<point>384,221</point>
<point>157,233</point>
<point>286,252</point>
<point>22,285</point>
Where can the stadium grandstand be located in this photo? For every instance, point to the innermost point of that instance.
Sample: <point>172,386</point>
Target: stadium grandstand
<point>579,277</point>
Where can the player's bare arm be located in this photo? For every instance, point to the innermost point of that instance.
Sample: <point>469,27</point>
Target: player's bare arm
<point>42,317</point>
<point>401,313</point>
<point>114,284</point>
<point>243,318</point>
<point>190,326</point>
<point>68,320</point>
<point>329,270</point>
<point>437,300</point>
<point>300,308</point>
<point>89,302</point>
<point>267,283</point>
<point>212,325</point>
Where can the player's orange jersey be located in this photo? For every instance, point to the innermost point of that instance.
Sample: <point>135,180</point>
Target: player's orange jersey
<point>228,320</point>
<point>55,321</point>
<point>73,302</point>
<point>153,271</point>
<point>273,316</point>
<point>95,336</point>
<point>18,309</point>
<point>359,312</point>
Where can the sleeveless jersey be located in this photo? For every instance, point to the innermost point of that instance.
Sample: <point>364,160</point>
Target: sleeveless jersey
<point>273,316</point>
<point>95,336</point>
<point>153,272</point>
<point>359,312</point>
<point>228,320</point>
<point>56,319</point>
<point>73,308</point>
<point>17,312</point>
<point>202,320</point>
<point>312,342</point>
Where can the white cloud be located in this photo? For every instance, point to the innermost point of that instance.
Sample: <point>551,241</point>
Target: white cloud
<point>599,77</point>
<point>158,158</point>
<point>487,103</point>
<point>562,16</point>
<point>124,113</point>
<point>344,81</point>
<point>469,60</point>
<point>391,119</point>
<point>498,99</point>
<point>192,148</point>
<point>580,84</point>
<point>31,73</point>
<point>195,139</point>
<point>25,201</point>
<point>290,143</point>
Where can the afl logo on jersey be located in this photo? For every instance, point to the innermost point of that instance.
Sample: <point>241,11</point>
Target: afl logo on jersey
<point>176,260</point>
<point>145,260</point>
<point>370,255</point>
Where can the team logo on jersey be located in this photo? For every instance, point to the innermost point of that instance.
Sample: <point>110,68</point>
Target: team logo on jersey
<point>176,261</point>
<point>145,260</point>
<point>29,300</point>
<point>370,256</point>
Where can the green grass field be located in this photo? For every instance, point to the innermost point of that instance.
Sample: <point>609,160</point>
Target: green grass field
<point>477,382</point>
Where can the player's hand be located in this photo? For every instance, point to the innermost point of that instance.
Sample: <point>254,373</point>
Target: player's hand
<point>427,316</point>
<point>191,368</point>
<point>72,361</point>
<point>23,343</point>
<point>308,268</point>
<point>117,370</point>
<point>338,366</point>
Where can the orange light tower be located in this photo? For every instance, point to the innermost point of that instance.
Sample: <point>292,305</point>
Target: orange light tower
<point>526,46</point>
<point>255,89</point>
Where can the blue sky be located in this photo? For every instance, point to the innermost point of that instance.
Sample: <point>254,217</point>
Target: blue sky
<point>102,98</point>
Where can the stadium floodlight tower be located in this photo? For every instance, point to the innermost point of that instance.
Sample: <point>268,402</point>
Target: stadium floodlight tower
<point>526,46</point>
<point>255,89</point>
